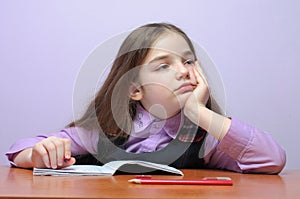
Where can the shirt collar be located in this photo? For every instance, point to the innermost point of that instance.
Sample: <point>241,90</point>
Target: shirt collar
<point>143,119</point>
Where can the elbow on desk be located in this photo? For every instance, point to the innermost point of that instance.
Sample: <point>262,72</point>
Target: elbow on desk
<point>273,165</point>
<point>279,163</point>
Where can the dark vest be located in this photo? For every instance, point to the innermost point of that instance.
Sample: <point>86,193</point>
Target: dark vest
<point>179,154</point>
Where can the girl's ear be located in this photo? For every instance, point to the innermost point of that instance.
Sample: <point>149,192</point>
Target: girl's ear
<point>135,92</point>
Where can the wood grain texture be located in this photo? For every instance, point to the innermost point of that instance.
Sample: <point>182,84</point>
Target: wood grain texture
<point>20,183</point>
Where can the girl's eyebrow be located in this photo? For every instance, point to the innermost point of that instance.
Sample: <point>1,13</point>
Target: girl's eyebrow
<point>184,54</point>
<point>188,53</point>
<point>159,58</point>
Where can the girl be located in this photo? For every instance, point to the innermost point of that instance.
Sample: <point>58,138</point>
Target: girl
<point>155,105</point>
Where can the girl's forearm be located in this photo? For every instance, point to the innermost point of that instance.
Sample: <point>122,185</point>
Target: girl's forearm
<point>215,124</point>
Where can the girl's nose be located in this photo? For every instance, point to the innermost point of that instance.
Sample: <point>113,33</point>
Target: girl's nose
<point>182,72</point>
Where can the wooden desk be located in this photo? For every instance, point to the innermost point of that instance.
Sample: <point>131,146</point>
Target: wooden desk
<point>20,183</point>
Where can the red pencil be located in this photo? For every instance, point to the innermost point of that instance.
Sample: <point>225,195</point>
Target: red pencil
<point>182,182</point>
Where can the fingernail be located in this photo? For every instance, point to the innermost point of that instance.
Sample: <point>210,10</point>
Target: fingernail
<point>67,156</point>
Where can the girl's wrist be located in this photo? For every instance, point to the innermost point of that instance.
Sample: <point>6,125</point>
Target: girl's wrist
<point>199,115</point>
<point>215,124</point>
<point>23,158</point>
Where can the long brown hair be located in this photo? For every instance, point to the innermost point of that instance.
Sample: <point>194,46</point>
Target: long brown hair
<point>133,51</point>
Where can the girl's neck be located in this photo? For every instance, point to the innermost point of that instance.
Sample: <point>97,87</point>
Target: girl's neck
<point>158,112</point>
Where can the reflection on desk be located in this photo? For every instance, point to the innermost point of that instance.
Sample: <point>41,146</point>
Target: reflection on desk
<point>20,183</point>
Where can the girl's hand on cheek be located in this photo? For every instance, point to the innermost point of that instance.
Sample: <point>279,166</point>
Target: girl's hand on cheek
<point>200,95</point>
<point>195,106</point>
<point>52,152</point>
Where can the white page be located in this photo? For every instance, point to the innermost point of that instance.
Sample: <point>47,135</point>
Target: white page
<point>108,169</point>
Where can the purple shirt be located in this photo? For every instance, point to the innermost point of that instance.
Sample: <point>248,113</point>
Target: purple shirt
<point>150,134</point>
<point>243,149</point>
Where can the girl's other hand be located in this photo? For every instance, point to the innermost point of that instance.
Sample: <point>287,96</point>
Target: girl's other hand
<point>52,152</point>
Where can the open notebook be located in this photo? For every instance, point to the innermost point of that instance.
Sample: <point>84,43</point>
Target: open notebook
<point>107,169</point>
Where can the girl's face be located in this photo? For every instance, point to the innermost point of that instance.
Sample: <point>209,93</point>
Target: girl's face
<point>166,78</point>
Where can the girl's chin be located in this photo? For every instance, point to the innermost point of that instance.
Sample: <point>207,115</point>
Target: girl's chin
<point>165,111</point>
<point>183,98</point>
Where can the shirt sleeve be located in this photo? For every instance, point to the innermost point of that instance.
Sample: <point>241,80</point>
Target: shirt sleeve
<point>82,142</point>
<point>245,149</point>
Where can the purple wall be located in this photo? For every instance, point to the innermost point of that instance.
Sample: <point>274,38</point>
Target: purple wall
<point>254,44</point>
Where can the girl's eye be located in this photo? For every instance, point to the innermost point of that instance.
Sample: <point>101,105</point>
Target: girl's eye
<point>163,66</point>
<point>189,62</point>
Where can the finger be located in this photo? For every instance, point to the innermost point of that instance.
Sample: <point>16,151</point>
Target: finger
<point>199,68</point>
<point>202,89</point>
<point>200,72</point>
<point>52,153</point>
<point>198,77</point>
<point>69,162</point>
<point>60,150</point>
<point>67,148</point>
<point>40,157</point>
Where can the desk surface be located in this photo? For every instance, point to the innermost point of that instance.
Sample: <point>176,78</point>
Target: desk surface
<point>20,183</point>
